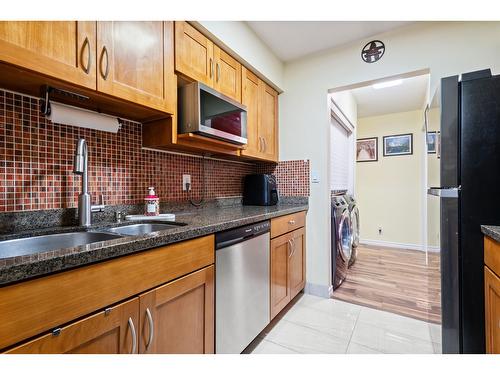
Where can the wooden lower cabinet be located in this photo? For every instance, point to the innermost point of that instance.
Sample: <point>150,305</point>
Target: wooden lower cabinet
<point>492,311</point>
<point>297,263</point>
<point>287,268</point>
<point>174,318</point>
<point>111,331</point>
<point>179,317</point>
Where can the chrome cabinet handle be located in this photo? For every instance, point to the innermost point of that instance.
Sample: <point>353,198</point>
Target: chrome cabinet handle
<point>151,328</point>
<point>260,144</point>
<point>106,71</point>
<point>211,68</point>
<point>291,222</point>
<point>293,247</point>
<point>264,142</point>
<point>217,72</point>
<point>86,44</point>
<point>290,247</point>
<point>134,335</point>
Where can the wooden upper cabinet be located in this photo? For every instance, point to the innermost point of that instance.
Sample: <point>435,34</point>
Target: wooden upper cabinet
<point>135,62</point>
<point>250,98</point>
<point>269,122</point>
<point>178,317</point>
<point>64,50</point>
<point>199,59</point>
<point>194,53</point>
<point>227,74</point>
<point>112,331</point>
<point>262,121</point>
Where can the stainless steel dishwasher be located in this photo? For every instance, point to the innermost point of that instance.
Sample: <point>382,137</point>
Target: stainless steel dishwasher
<point>242,307</point>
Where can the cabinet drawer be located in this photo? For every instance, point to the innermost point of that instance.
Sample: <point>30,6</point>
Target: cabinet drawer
<point>492,254</point>
<point>285,224</point>
<point>32,307</point>
<point>110,331</point>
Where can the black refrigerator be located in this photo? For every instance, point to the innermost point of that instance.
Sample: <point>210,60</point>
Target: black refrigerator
<point>469,197</point>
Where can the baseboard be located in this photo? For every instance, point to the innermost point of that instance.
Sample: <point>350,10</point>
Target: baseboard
<point>318,290</point>
<point>398,245</point>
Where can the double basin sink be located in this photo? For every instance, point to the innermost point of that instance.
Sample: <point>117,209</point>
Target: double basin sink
<point>49,242</point>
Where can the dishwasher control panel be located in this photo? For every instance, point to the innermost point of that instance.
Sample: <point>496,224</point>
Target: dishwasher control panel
<point>233,236</point>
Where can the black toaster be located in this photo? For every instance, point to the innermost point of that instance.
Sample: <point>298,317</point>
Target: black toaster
<point>260,190</point>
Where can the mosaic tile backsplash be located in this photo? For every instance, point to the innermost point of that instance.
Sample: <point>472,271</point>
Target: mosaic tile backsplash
<point>36,165</point>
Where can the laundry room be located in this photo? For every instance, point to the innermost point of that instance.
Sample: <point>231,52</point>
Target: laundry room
<point>384,232</point>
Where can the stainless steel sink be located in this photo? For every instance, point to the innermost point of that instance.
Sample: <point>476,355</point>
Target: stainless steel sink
<point>39,244</point>
<point>138,229</point>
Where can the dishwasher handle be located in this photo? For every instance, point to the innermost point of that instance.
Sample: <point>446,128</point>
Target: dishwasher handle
<point>237,235</point>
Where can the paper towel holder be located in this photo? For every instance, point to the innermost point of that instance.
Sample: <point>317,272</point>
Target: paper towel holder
<point>47,90</point>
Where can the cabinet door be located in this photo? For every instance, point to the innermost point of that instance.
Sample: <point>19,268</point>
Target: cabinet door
<point>280,291</point>
<point>63,50</point>
<point>179,316</point>
<point>269,122</point>
<point>133,63</point>
<point>297,263</point>
<point>194,53</point>
<point>112,331</point>
<point>250,98</point>
<point>227,74</point>
<point>492,311</point>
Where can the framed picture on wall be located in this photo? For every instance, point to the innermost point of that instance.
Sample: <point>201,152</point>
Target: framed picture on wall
<point>399,144</point>
<point>367,149</point>
<point>431,142</point>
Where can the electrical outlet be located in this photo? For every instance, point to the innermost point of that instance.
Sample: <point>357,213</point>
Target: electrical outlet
<point>186,179</point>
<point>380,231</point>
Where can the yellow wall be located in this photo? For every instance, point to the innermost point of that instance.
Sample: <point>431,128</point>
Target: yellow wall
<point>389,191</point>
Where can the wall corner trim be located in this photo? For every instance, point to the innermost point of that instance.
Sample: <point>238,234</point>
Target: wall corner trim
<point>318,290</point>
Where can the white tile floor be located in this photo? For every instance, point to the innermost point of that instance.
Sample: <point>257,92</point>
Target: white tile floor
<point>318,325</point>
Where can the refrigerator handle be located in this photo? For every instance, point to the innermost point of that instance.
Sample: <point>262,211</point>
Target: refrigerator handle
<point>444,192</point>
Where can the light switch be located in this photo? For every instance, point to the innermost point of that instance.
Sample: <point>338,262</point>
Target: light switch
<point>315,177</point>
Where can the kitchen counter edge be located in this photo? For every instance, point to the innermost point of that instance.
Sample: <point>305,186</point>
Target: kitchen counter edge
<point>491,231</point>
<point>23,268</point>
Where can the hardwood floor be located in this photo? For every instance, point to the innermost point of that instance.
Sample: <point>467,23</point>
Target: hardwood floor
<point>394,280</point>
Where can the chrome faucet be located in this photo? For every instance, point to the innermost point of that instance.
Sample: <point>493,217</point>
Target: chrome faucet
<point>80,167</point>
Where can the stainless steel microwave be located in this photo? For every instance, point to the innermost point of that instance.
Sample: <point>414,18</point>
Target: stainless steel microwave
<point>205,111</point>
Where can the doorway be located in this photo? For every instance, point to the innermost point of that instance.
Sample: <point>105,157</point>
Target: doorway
<point>395,267</point>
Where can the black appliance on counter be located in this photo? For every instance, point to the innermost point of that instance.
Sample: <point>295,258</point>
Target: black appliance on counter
<point>260,190</point>
<point>469,197</point>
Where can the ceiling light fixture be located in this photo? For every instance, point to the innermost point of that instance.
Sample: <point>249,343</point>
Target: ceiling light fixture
<point>385,84</point>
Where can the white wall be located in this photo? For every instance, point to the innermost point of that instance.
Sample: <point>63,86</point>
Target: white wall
<point>243,41</point>
<point>445,48</point>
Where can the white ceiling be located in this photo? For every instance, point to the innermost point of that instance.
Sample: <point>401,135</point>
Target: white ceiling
<point>408,96</point>
<point>290,40</point>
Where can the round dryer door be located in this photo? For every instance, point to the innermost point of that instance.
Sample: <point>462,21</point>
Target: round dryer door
<point>345,236</point>
<point>355,226</point>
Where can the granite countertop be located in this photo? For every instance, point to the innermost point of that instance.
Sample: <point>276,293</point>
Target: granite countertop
<point>491,231</point>
<point>199,222</point>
